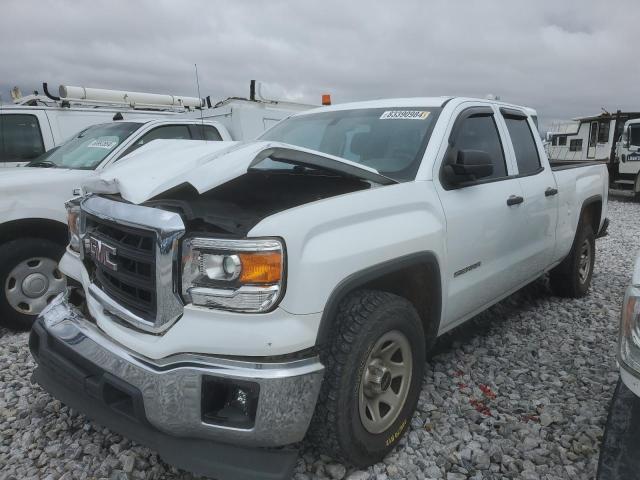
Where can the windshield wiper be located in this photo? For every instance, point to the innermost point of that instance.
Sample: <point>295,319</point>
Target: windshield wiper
<point>42,164</point>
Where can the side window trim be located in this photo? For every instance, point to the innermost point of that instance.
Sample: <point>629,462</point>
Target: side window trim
<point>513,113</point>
<point>4,115</point>
<point>474,111</point>
<point>520,115</point>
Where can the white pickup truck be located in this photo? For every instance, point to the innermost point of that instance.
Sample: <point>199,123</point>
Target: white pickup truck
<point>37,123</point>
<point>33,230</point>
<point>33,221</point>
<point>254,294</point>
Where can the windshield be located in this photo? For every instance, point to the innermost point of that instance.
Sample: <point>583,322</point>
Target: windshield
<point>390,140</point>
<point>87,149</point>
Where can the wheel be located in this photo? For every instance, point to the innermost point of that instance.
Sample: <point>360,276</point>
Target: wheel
<point>636,188</point>
<point>572,277</point>
<point>374,365</point>
<point>30,279</point>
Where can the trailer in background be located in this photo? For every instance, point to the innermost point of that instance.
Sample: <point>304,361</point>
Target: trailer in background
<point>599,138</point>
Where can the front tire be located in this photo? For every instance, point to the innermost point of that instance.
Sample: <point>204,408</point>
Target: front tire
<point>29,279</point>
<point>374,364</point>
<point>572,277</point>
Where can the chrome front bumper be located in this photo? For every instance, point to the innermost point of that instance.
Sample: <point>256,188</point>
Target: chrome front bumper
<point>170,390</point>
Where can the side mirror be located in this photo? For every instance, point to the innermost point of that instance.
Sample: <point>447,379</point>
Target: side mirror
<point>469,165</point>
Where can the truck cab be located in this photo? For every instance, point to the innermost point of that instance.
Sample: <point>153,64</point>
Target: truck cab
<point>32,216</point>
<point>627,177</point>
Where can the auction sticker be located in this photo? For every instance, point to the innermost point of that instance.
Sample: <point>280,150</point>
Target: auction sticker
<point>404,115</point>
<point>103,142</point>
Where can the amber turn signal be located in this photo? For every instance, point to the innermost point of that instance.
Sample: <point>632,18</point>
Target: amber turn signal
<point>261,267</point>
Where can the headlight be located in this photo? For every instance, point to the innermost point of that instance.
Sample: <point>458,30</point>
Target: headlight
<point>630,329</point>
<point>73,221</point>
<point>239,275</point>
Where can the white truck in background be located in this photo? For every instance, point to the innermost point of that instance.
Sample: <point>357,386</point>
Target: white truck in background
<point>249,295</point>
<point>36,123</point>
<point>627,175</point>
<point>33,230</point>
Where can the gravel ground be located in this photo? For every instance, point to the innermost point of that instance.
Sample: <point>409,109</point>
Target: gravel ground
<point>522,391</point>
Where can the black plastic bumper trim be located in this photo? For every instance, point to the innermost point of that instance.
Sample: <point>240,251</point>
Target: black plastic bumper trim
<point>79,384</point>
<point>620,449</point>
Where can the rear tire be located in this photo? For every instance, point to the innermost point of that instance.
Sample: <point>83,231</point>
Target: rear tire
<point>374,364</point>
<point>29,279</point>
<point>572,277</point>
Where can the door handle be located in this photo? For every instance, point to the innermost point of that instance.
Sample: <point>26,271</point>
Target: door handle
<point>514,200</point>
<point>550,192</point>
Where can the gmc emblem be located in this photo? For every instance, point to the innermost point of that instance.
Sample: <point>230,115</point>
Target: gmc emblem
<point>102,253</point>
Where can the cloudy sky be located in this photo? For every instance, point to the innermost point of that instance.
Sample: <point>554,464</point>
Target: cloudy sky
<point>563,58</point>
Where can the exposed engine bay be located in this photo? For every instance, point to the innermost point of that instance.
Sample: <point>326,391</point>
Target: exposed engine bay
<point>235,207</point>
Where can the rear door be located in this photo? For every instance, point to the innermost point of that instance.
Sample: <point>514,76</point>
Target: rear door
<point>483,217</point>
<point>540,206</point>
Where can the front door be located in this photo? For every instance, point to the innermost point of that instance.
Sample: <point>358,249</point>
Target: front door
<point>593,140</point>
<point>483,220</point>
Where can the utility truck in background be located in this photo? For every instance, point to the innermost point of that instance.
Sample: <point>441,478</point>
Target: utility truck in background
<point>249,295</point>
<point>33,230</point>
<point>627,175</point>
<point>35,124</point>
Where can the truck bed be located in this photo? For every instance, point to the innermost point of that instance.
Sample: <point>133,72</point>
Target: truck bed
<point>578,183</point>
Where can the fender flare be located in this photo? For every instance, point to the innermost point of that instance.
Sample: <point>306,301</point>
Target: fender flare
<point>587,203</point>
<point>426,259</point>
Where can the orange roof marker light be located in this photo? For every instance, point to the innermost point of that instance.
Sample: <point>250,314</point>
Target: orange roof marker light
<point>326,99</point>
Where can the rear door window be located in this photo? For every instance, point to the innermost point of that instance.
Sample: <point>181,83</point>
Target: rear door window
<point>20,138</point>
<point>165,132</point>
<point>205,132</point>
<point>524,145</point>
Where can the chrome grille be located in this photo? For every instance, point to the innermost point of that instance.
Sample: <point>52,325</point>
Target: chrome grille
<point>131,253</point>
<point>133,283</point>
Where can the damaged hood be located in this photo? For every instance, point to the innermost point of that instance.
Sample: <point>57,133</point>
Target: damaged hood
<point>165,164</point>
